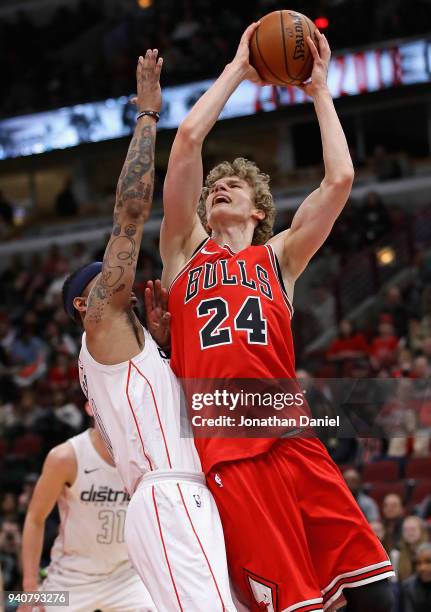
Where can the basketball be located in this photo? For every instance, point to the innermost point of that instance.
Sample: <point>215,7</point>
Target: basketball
<point>279,49</point>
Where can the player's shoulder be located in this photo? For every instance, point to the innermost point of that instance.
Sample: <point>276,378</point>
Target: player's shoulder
<point>61,464</point>
<point>61,458</point>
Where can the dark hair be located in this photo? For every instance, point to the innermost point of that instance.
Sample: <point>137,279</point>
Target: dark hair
<point>65,290</point>
<point>139,311</point>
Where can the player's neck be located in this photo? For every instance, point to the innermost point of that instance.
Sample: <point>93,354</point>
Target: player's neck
<point>235,238</point>
<point>100,447</point>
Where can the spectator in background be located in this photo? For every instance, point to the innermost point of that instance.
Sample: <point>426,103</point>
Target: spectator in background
<point>421,367</point>
<point>414,533</point>
<point>360,399</point>
<point>319,399</point>
<point>383,346</point>
<point>401,419</point>
<point>416,590</point>
<point>393,305</point>
<point>9,506</point>
<point>67,412</point>
<point>58,340</point>
<point>26,348</point>
<point>365,502</point>
<point>349,344</point>
<point>417,334</point>
<point>66,204</point>
<point>28,353</point>
<point>21,416</point>
<point>322,306</point>
<point>63,374</point>
<point>393,515</point>
<point>10,554</point>
<point>373,219</point>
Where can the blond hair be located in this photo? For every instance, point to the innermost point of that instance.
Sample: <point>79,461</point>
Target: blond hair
<point>259,183</point>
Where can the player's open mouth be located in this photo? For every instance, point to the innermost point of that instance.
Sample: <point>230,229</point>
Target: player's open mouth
<point>221,199</point>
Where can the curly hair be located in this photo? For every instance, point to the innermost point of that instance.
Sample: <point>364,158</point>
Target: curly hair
<point>259,183</point>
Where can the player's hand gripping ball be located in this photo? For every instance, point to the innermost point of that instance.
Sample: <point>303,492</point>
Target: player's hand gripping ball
<point>279,50</point>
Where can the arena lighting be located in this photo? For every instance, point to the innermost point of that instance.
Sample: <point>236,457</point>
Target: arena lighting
<point>144,4</point>
<point>321,22</point>
<point>385,256</point>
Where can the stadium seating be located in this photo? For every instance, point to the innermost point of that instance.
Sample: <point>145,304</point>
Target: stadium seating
<point>420,489</point>
<point>418,468</point>
<point>381,471</point>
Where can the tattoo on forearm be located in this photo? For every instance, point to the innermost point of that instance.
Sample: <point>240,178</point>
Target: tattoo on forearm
<point>121,253</point>
<point>139,161</point>
<point>134,195</point>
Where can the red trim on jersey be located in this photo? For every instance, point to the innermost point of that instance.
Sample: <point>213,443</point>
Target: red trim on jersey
<point>202,548</point>
<point>227,247</point>
<point>283,290</point>
<point>186,265</point>
<point>338,598</point>
<point>164,549</point>
<point>306,606</point>
<point>134,416</point>
<point>157,411</point>
<point>363,577</point>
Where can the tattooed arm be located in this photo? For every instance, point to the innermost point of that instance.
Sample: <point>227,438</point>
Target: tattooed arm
<point>111,293</point>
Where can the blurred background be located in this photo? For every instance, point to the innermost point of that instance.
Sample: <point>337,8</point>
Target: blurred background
<point>362,308</point>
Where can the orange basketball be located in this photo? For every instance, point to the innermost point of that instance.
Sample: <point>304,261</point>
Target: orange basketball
<point>279,49</point>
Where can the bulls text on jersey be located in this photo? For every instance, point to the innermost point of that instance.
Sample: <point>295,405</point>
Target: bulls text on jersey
<point>209,275</point>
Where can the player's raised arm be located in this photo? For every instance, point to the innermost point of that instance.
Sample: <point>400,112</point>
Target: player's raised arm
<point>181,229</point>
<point>316,216</point>
<point>59,468</point>
<point>112,289</point>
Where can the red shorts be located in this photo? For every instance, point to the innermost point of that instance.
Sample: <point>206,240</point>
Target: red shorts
<point>295,537</point>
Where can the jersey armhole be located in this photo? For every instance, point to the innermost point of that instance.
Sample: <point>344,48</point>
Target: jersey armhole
<point>277,270</point>
<point>198,248</point>
<point>279,274</point>
<point>187,264</point>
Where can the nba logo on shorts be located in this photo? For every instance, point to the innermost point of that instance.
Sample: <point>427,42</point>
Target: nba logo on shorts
<point>197,499</point>
<point>263,591</point>
<point>262,594</point>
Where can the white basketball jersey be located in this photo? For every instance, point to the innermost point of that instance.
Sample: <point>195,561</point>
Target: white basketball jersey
<point>92,513</point>
<point>136,405</point>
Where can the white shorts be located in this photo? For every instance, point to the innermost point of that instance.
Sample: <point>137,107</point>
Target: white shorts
<point>121,591</point>
<point>175,541</point>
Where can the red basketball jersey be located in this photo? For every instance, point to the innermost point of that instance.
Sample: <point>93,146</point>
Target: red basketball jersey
<point>231,319</point>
